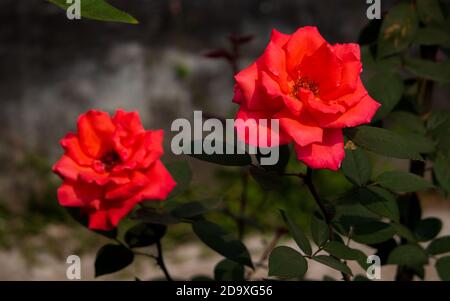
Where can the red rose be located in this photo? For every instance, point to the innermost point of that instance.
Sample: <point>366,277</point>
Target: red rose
<point>110,165</point>
<point>313,88</point>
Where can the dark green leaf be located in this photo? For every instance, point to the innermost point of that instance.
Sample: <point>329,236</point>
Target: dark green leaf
<point>383,142</point>
<point>333,263</point>
<point>356,166</point>
<point>112,258</point>
<point>386,88</point>
<point>372,232</point>
<point>379,201</point>
<point>400,181</point>
<point>283,157</point>
<point>439,246</point>
<point>404,232</point>
<point>298,235</point>
<point>234,159</point>
<point>443,268</point>
<point>319,230</point>
<point>419,142</point>
<point>427,229</point>
<point>408,255</point>
<point>398,29</point>
<point>407,122</point>
<point>153,216</point>
<point>143,234</point>
<point>441,170</point>
<point>222,242</point>
<point>430,12</point>
<point>286,262</point>
<point>341,251</point>
<point>437,71</point>
<point>227,270</point>
<point>98,10</point>
<point>182,174</point>
<point>432,36</point>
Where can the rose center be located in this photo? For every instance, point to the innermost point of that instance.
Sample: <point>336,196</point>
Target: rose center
<point>305,83</point>
<point>110,159</point>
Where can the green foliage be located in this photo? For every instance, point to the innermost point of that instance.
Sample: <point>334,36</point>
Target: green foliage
<point>333,263</point>
<point>222,242</point>
<point>234,159</point>
<point>182,174</point>
<point>386,88</point>
<point>112,258</point>
<point>99,10</point>
<point>439,245</point>
<point>398,29</point>
<point>286,262</point>
<point>443,268</point>
<point>402,181</point>
<point>356,166</point>
<point>408,255</point>
<point>228,270</point>
<point>427,229</point>
<point>383,142</point>
<point>298,235</point>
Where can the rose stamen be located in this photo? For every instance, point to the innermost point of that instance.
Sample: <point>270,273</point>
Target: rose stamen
<point>305,83</point>
<point>110,159</point>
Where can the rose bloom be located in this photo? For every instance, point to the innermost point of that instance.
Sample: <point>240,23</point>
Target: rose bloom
<point>110,165</point>
<point>314,90</point>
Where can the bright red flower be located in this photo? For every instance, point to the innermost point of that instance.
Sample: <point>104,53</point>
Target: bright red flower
<point>110,165</point>
<point>313,88</point>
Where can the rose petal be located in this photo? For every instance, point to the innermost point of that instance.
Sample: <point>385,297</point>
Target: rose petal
<point>325,155</point>
<point>95,132</point>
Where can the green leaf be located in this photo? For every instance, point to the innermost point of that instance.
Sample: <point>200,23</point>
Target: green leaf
<point>356,166</point>
<point>383,65</point>
<point>227,270</point>
<point>404,232</point>
<point>372,232</point>
<point>398,29</point>
<point>432,36</point>
<point>222,242</point>
<point>407,121</point>
<point>419,142</point>
<point>441,170</point>
<point>408,255</point>
<point>333,263</point>
<point>283,159</point>
<point>437,71</point>
<point>319,230</point>
<point>400,181</point>
<point>383,142</point>
<point>182,174</point>
<point>443,268</point>
<point>234,159</point>
<point>153,216</point>
<point>112,258</point>
<point>286,262</point>
<point>298,235</point>
<point>386,88</point>
<point>98,10</point>
<point>379,201</point>
<point>193,209</point>
<point>144,234</point>
<point>430,12</point>
<point>341,251</point>
<point>439,246</point>
<point>427,229</point>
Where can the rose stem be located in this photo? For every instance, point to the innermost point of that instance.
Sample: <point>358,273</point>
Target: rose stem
<point>309,183</point>
<point>160,261</point>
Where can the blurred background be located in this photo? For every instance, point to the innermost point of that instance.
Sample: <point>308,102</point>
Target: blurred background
<point>53,69</point>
